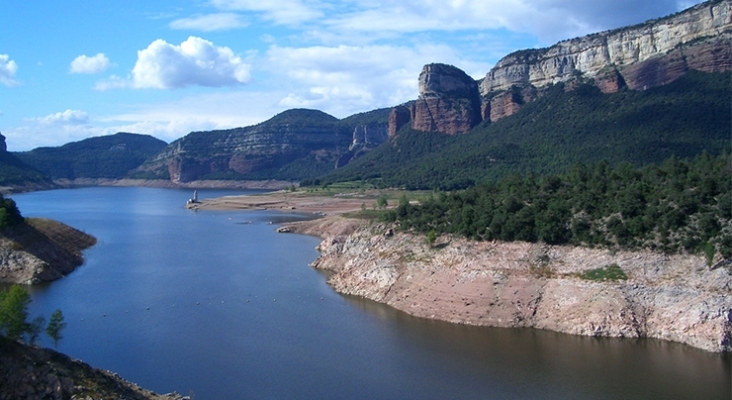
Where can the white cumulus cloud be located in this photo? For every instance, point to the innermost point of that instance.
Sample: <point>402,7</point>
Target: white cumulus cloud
<point>209,22</point>
<point>343,80</point>
<point>68,117</point>
<point>8,68</point>
<point>194,62</point>
<point>89,65</point>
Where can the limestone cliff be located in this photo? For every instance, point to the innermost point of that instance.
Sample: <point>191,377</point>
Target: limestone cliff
<point>364,139</point>
<point>639,57</point>
<point>676,298</point>
<point>40,250</point>
<point>448,101</point>
<point>646,55</point>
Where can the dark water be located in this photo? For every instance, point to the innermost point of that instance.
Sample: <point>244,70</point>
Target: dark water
<point>216,304</point>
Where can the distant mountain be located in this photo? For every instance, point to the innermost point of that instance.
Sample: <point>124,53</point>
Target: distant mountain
<point>17,176</point>
<point>550,134</point>
<point>109,157</point>
<point>293,145</point>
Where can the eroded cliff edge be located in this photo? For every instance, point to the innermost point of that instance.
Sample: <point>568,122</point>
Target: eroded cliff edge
<point>677,298</point>
<point>41,250</point>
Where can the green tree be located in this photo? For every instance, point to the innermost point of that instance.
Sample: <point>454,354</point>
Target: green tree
<point>431,237</point>
<point>55,326</point>
<point>381,202</point>
<point>14,312</point>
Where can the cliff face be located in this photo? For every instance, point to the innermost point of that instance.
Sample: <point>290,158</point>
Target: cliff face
<point>701,34</point>
<point>517,284</point>
<point>448,102</point>
<point>292,136</point>
<point>41,250</point>
<point>364,139</point>
<point>640,57</point>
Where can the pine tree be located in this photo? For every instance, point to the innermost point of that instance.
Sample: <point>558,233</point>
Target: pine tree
<point>55,326</point>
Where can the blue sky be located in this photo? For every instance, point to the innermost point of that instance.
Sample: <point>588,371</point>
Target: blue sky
<point>72,69</point>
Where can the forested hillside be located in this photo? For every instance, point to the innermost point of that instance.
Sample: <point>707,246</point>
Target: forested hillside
<point>559,129</point>
<point>109,157</point>
<point>681,205</point>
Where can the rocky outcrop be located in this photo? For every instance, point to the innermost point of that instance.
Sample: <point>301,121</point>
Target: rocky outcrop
<point>676,298</point>
<point>31,373</point>
<point>399,116</point>
<point>640,53</point>
<point>365,138</point>
<point>448,101</point>
<point>40,250</point>
<point>507,103</point>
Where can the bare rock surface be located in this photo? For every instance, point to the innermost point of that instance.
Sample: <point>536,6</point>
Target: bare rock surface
<point>41,250</point>
<point>676,298</point>
<point>694,39</point>
<point>32,373</point>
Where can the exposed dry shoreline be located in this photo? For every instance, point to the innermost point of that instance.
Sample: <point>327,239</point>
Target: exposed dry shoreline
<point>676,298</point>
<point>41,250</point>
<point>285,200</point>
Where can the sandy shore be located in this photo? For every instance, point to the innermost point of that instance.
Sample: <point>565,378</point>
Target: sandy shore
<point>291,201</point>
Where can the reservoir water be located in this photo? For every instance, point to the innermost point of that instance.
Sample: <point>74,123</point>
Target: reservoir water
<point>217,305</point>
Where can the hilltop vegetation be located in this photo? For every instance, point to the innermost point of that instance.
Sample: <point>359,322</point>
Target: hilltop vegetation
<point>682,205</point>
<point>550,134</point>
<point>109,157</point>
<point>15,173</point>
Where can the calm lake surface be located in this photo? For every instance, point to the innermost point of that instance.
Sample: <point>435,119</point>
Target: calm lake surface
<point>216,304</point>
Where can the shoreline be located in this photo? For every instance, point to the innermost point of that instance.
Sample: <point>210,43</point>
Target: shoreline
<point>284,200</point>
<point>162,183</point>
<point>675,298</point>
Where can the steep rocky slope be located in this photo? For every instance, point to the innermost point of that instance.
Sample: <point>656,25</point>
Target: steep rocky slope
<point>645,55</point>
<point>31,373</point>
<point>518,284</point>
<point>40,250</point>
<point>639,57</point>
<point>293,145</point>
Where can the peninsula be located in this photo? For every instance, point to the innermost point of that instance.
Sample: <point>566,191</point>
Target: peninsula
<point>561,288</point>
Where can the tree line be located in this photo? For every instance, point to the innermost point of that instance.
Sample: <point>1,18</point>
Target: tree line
<point>681,205</point>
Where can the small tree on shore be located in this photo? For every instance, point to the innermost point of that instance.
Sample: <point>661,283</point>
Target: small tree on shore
<point>431,237</point>
<point>55,326</point>
<point>14,312</point>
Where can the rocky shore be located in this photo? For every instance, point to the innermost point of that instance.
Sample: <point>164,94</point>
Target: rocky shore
<point>41,250</point>
<point>671,297</point>
<point>31,373</point>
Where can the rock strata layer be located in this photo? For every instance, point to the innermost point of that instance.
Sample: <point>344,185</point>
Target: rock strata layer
<point>676,298</point>
<point>705,29</point>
